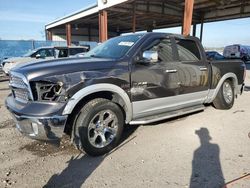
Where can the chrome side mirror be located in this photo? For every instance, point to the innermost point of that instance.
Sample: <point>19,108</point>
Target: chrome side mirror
<point>150,56</point>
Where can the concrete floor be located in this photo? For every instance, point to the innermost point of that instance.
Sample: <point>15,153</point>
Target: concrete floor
<point>205,149</point>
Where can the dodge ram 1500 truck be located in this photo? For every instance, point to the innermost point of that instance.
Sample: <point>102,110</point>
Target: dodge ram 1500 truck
<point>130,79</point>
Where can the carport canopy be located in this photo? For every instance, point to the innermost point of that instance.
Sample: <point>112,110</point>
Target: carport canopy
<point>109,18</point>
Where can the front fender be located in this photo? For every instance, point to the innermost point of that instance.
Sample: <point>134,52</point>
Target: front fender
<point>78,96</point>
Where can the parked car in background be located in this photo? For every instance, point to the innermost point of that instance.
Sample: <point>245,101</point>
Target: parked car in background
<point>213,55</point>
<point>130,79</point>
<point>72,51</point>
<point>34,55</point>
<point>83,53</point>
<point>43,53</point>
<point>237,51</point>
<point>80,54</point>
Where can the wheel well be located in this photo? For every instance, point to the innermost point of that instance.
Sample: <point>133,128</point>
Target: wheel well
<point>114,97</point>
<point>233,81</point>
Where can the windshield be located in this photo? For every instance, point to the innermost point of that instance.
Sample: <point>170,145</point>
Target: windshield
<point>114,48</point>
<point>29,53</point>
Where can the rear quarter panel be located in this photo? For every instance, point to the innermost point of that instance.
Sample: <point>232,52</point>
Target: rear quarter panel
<point>222,67</point>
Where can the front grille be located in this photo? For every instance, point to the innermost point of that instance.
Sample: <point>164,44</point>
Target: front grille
<point>20,89</point>
<point>17,82</point>
<point>21,95</point>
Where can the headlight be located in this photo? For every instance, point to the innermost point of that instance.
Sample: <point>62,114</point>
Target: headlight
<point>47,91</point>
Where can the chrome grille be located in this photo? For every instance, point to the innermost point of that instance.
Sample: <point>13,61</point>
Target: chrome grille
<point>21,95</point>
<point>20,88</point>
<point>17,82</point>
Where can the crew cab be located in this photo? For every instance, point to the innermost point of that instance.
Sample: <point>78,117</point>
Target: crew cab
<point>130,79</point>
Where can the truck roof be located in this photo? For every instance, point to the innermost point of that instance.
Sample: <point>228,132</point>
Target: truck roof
<point>165,34</point>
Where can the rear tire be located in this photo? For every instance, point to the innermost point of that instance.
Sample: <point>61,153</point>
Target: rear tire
<point>98,126</point>
<point>225,97</point>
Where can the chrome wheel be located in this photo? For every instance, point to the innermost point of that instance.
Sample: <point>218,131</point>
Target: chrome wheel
<point>227,92</point>
<point>102,128</point>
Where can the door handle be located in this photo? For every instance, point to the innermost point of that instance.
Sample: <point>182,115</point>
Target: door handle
<point>171,71</point>
<point>203,68</point>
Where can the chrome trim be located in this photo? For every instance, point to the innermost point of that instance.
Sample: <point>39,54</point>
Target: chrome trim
<point>103,128</point>
<point>78,96</point>
<point>141,122</point>
<point>203,68</point>
<point>40,128</point>
<point>227,92</point>
<point>171,71</point>
<point>150,56</point>
<point>213,93</point>
<point>17,96</point>
<point>25,80</point>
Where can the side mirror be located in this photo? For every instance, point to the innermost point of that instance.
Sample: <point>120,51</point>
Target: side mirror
<point>38,56</point>
<point>150,56</point>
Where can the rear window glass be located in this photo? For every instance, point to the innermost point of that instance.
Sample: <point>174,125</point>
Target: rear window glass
<point>188,50</point>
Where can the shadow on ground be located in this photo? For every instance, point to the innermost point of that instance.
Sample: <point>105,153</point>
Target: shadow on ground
<point>247,88</point>
<point>206,166</point>
<point>80,167</point>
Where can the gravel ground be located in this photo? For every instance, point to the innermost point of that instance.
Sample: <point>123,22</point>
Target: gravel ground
<point>210,147</point>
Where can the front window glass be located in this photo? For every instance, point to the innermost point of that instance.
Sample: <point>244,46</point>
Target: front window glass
<point>45,52</point>
<point>164,49</point>
<point>114,48</point>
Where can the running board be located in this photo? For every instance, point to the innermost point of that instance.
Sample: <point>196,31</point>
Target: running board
<point>163,116</point>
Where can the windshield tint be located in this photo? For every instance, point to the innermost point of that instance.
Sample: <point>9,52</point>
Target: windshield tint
<point>114,48</point>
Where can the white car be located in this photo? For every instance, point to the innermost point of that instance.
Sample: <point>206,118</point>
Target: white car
<point>43,53</point>
<point>35,55</point>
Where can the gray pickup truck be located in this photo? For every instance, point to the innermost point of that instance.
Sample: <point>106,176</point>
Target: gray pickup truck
<point>131,79</point>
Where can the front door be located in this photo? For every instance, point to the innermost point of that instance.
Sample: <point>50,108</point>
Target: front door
<point>154,83</point>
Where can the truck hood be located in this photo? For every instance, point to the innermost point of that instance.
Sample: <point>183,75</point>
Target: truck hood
<point>42,69</point>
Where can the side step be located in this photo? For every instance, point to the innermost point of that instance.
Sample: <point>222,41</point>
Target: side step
<point>167,115</point>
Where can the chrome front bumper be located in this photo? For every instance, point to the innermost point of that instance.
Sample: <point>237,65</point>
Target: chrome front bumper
<point>45,127</point>
<point>41,128</point>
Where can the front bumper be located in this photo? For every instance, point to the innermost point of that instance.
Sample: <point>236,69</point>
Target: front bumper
<point>45,127</point>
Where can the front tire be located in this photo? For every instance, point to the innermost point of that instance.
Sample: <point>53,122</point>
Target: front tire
<point>225,97</point>
<point>99,126</point>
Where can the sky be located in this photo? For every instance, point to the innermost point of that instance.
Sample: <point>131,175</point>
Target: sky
<point>26,19</point>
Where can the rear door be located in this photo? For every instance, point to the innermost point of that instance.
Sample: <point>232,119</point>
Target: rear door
<point>193,72</point>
